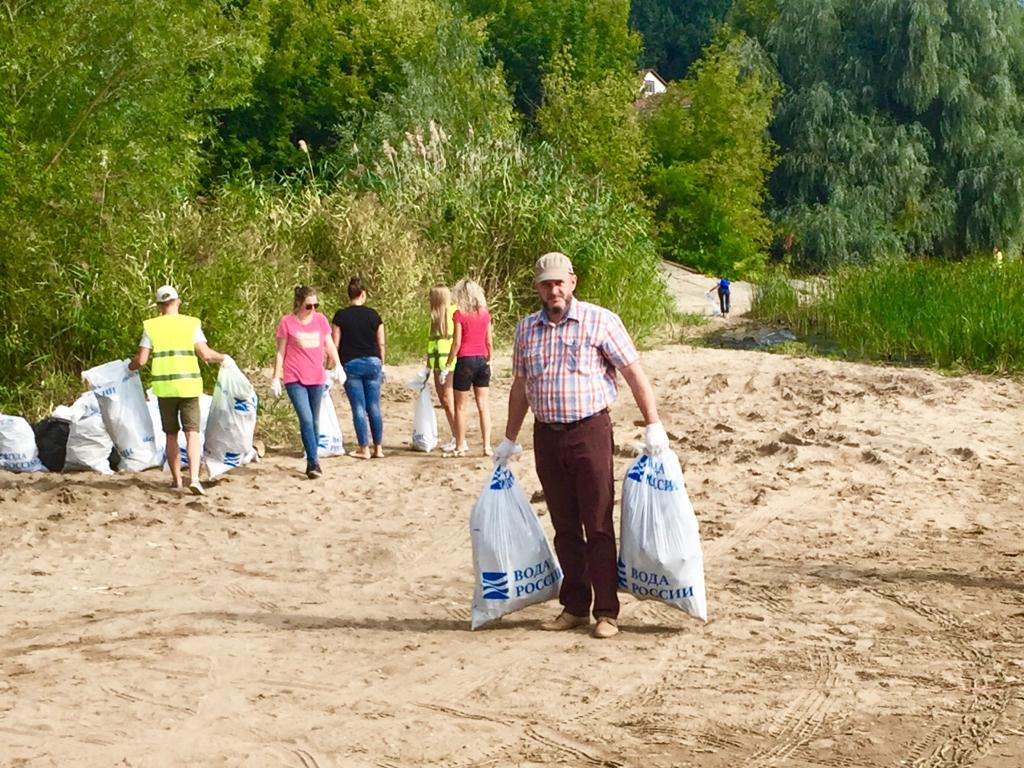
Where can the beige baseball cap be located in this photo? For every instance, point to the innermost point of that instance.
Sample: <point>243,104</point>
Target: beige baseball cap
<point>552,266</point>
<point>166,293</point>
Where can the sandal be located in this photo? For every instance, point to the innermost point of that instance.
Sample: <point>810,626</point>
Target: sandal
<point>458,453</point>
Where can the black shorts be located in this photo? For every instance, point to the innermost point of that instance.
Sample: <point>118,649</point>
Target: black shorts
<point>471,372</point>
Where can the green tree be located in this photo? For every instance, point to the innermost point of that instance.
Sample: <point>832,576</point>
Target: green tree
<point>452,89</point>
<point>526,36</point>
<point>711,158</point>
<point>107,105</point>
<point>900,131</point>
<point>327,64</point>
<point>675,33</point>
<point>594,123</point>
<point>753,17</point>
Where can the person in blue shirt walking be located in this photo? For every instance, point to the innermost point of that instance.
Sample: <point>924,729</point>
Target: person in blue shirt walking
<point>723,295</point>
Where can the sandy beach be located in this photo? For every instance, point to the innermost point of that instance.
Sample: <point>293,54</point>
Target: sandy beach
<point>864,542</point>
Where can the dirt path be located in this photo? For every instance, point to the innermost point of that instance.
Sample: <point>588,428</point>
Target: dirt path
<point>690,290</point>
<point>865,565</point>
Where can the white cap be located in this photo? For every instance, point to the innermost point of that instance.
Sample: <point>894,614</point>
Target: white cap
<point>165,293</point>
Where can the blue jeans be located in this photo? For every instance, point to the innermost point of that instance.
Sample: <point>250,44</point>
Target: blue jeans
<point>306,401</point>
<point>362,385</point>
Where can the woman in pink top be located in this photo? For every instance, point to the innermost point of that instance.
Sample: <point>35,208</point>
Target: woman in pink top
<point>303,338</point>
<point>471,351</point>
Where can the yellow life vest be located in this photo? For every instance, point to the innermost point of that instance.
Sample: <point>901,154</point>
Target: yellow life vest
<point>438,348</point>
<point>175,371</point>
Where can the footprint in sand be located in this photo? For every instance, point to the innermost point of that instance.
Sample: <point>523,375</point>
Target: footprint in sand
<point>716,384</point>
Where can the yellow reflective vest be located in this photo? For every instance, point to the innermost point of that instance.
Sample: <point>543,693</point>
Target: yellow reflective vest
<point>438,348</point>
<point>175,367</point>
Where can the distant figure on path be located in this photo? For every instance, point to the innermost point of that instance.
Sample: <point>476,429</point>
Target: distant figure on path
<point>997,254</point>
<point>723,295</point>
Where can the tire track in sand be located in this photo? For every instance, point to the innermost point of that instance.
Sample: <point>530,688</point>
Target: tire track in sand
<point>805,717</point>
<point>990,694</point>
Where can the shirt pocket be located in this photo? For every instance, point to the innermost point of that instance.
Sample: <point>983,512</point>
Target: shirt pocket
<point>578,355</point>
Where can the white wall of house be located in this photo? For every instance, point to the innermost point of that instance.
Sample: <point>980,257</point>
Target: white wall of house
<point>653,84</point>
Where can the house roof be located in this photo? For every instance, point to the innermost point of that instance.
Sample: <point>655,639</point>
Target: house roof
<point>658,77</point>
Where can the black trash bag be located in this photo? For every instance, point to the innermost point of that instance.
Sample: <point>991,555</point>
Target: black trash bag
<point>52,442</point>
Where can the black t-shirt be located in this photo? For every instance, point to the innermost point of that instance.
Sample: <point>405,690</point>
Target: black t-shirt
<point>359,326</point>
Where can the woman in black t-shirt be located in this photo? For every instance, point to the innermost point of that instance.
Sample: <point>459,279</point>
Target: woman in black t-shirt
<point>358,332</point>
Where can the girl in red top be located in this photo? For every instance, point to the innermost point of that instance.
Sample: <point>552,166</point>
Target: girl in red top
<point>471,351</point>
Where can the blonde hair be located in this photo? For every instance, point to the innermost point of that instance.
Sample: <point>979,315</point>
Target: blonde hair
<point>470,296</point>
<point>440,300</point>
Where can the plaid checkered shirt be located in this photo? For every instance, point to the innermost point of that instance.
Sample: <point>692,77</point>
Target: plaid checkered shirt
<point>570,366</point>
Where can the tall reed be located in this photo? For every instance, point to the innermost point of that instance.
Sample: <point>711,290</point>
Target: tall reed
<point>966,315</point>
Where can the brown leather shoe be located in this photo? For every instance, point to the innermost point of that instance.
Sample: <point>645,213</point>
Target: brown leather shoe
<point>606,627</point>
<point>564,621</point>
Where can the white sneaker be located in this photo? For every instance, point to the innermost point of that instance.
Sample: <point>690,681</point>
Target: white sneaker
<point>448,447</point>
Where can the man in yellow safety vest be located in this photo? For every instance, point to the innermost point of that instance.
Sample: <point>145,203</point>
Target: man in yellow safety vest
<point>176,343</point>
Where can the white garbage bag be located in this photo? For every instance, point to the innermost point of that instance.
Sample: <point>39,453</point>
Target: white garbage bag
<point>123,408</point>
<point>424,419</point>
<point>513,565</point>
<point>205,402</point>
<point>231,422</point>
<point>660,557</point>
<point>89,445</point>
<point>18,452</point>
<point>158,426</point>
<point>329,439</point>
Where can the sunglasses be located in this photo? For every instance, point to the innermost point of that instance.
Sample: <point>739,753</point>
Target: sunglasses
<point>313,306</point>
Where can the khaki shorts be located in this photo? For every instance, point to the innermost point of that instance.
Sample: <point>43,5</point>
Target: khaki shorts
<point>170,407</point>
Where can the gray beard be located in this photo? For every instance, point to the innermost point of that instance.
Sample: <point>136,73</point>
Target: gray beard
<point>568,303</point>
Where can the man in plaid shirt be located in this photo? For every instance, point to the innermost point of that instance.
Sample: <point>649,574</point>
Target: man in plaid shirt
<point>564,367</point>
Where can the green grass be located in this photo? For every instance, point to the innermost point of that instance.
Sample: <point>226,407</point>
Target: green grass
<point>966,316</point>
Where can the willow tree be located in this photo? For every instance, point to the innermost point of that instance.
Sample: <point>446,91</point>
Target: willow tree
<point>901,131</point>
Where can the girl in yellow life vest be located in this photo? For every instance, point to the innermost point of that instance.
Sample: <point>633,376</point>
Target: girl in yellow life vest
<point>439,344</point>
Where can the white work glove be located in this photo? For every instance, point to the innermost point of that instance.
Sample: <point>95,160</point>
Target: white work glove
<point>275,387</point>
<point>229,362</point>
<point>655,439</point>
<point>506,451</point>
<point>338,374</point>
<point>443,376</point>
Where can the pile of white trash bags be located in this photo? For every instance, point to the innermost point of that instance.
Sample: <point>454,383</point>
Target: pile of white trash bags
<point>660,555</point>
<point>114,426</point>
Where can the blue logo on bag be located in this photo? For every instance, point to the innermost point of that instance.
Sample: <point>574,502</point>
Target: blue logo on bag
<point>495,585</point>
<point>243,405</point>
<point>622,572</point>
<point>232,458</point>
<point>328,442</point>
<point>502,479</point>
<point>647,470</point>
<point>636,472</point>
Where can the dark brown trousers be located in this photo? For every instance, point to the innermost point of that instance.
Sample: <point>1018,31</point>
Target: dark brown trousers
<point>575,469</point>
